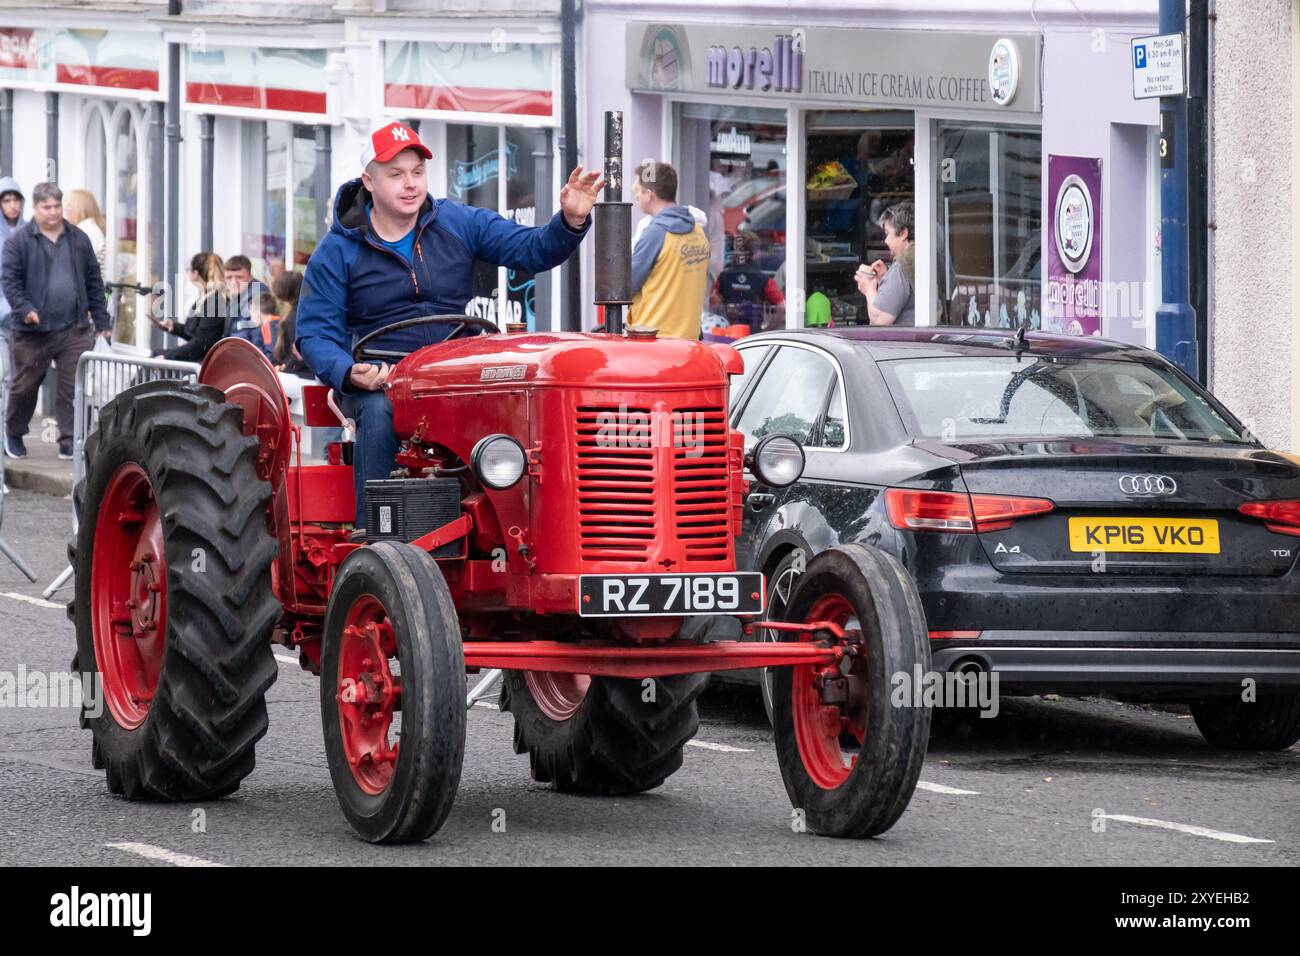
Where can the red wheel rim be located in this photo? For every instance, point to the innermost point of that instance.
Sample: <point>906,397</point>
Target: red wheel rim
<point>820,727</point>
<point>128,595</point>
<point>368,694</point>
<point>558,695</point>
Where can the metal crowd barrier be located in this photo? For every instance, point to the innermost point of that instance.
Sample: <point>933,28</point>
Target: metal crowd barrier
<point>101,377</point>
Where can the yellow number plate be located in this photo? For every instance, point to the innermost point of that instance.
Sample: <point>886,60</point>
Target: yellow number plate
<point>1155,535</point>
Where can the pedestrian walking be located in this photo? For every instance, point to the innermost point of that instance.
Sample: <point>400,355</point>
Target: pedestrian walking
<point>56,292</point>
<point>11,218</point>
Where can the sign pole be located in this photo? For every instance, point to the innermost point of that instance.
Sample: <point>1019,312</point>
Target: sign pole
<point>1175,318</point>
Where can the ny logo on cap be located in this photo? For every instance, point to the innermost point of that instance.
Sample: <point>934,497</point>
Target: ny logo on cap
<point>399,132</point>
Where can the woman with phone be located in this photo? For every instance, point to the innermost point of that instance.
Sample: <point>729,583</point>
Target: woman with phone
<point>205,324</point>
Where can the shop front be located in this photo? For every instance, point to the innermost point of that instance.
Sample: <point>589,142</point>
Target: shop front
<point>795,138</point>
<point>259,118</point>
<point>485,97</point>
<point>95,93</point>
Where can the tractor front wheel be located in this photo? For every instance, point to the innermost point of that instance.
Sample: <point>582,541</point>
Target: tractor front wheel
<point>393,693</point>
<point>174,605</point>
<point>852,791</point>
<point>602,735</point>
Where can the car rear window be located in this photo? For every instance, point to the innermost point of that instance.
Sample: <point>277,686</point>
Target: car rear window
<point>968,398</point>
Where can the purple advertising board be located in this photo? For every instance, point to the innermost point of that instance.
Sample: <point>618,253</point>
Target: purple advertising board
<point>1073,296</point>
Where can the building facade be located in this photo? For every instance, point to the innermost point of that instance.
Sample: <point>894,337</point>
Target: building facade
<point>1013,131</point>
<point>276,100</point>
<point>1255,209</point>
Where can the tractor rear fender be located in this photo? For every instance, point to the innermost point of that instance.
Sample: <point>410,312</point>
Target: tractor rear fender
<point>240,370</point>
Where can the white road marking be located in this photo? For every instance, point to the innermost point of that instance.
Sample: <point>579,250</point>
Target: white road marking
<point>723,748</point>
<point>1184,828</point>
<point>150,852</point>
<point>39,602</point>
<point>940,788</point>
<point>287,661</point>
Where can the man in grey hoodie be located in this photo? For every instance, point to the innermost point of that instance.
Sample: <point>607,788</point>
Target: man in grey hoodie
<point>11,217</point>
<point>670,260</point>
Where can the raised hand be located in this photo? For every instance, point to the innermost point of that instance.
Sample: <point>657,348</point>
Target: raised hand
<point>579,195</point>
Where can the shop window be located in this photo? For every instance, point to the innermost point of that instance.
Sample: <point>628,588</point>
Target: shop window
<point>279,160</point>
<point>127,155</point>
<point>521,206</point>
<point>859,163</point>
<point>731,164</point>
<point>473,170</point>
<point>789,398</point>
<point>306,227</point>
<point>988,235</point>
<point>96,156</point>
<point>493,167</point>
<point>280,197</point>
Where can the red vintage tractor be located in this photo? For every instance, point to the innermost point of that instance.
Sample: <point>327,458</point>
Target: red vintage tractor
<point>564,504</point>
<point>568,501</point>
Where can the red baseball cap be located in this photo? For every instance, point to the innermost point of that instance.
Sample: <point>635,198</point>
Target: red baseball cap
<point>387,141</point>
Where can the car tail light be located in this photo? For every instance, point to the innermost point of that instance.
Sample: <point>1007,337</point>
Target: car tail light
<point>954,635</point>
<point>997,512</point>
<point>1280,516</point>
<point>957,512</point>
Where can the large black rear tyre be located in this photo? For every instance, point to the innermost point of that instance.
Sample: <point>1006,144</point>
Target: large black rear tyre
<point>174,605</point>
<point>608,737</point>
<point>872,597</point>
<point>1272,722</point>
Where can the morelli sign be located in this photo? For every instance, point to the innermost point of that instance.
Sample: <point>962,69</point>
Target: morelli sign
<point>888,68</point>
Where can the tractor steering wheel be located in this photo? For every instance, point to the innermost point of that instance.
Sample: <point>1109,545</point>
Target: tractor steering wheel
<point>459,323</point>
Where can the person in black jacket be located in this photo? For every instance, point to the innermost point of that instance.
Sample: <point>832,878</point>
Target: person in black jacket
<point>53,283</point>
<point>205,325</point>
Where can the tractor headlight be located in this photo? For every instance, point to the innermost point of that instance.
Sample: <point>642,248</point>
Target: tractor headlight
<point>777,460</point>
<point>498,461</point>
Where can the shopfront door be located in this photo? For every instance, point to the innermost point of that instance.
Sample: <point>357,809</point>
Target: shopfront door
<point>858,163</point>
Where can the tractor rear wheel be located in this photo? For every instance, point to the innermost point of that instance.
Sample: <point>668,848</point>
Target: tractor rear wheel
<point>393,693</point>
<point>602,735</point>
<point>174,605</point>
<point>857,791</point>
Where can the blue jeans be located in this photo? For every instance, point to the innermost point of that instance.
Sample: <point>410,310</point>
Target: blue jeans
<point>374,452</point>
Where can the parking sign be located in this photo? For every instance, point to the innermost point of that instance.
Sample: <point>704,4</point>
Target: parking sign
<point>1158,66</point>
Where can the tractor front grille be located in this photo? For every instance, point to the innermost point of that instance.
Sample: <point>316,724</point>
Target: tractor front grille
<point>617,499</point>
<point>700,486</point>
<point>650,480</point>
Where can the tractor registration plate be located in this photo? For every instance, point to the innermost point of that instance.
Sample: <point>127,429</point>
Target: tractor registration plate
<point>661,595</point>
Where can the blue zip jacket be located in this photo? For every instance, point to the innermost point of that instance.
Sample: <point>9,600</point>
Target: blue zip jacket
<point>354,285</point>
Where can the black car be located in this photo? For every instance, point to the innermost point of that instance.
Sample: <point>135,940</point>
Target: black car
<point>1078,516</point>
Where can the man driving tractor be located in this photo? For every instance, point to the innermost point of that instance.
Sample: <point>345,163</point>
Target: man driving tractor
<point>393,253</point>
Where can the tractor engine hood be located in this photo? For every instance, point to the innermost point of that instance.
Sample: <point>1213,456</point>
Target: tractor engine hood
<point>563,359</point>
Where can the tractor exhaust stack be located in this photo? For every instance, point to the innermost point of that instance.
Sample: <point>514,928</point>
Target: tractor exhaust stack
<point>613,224</point>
